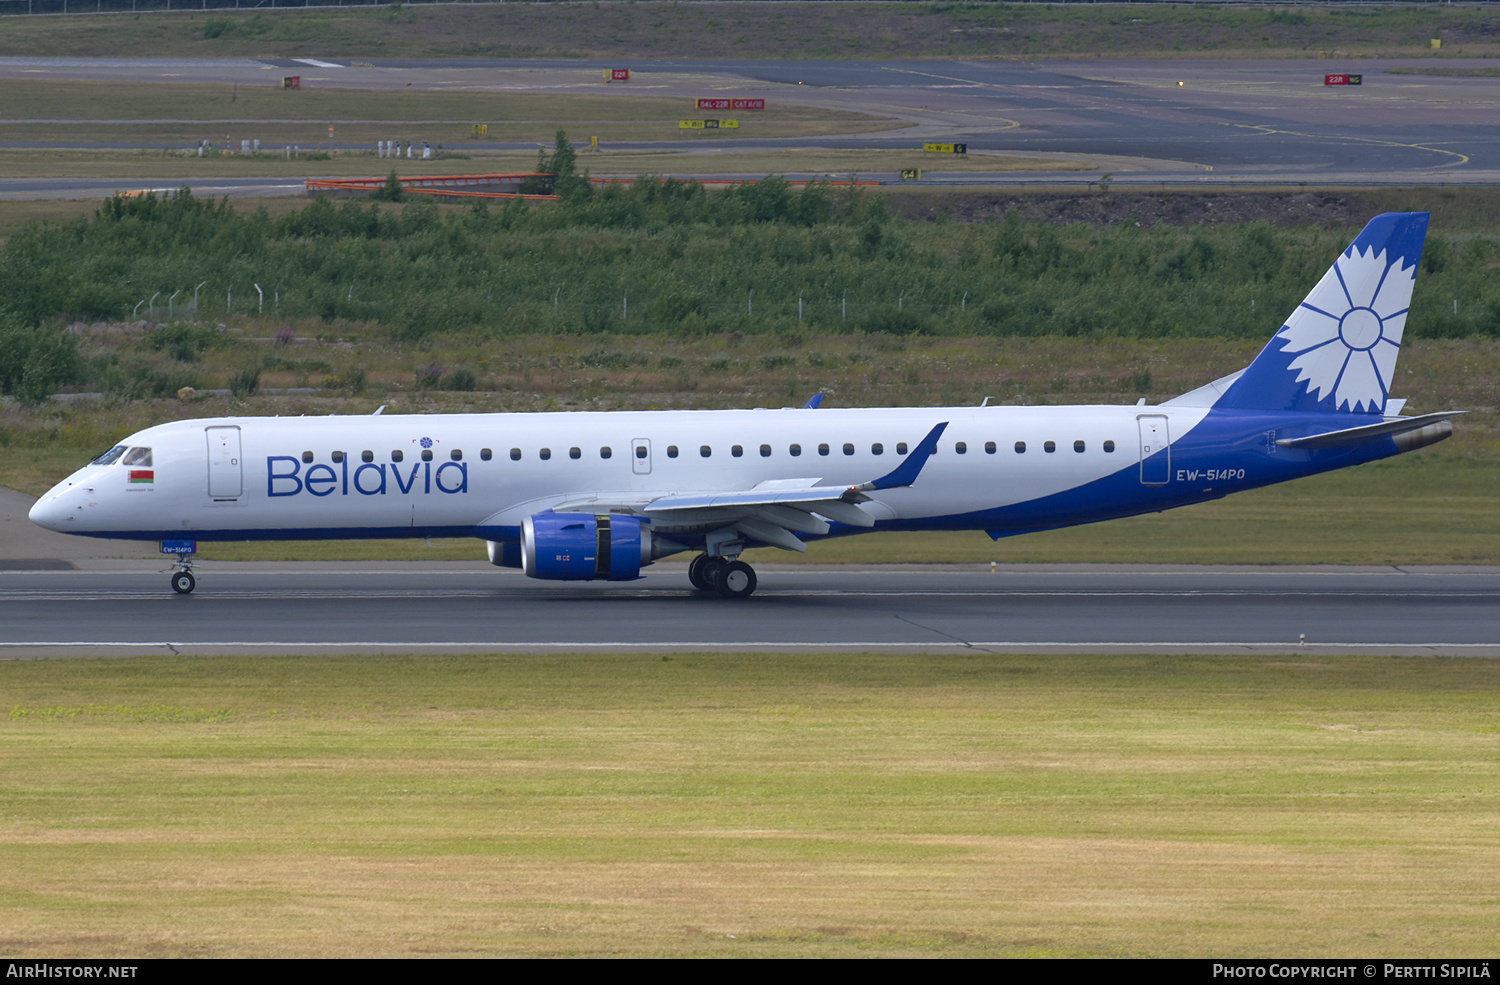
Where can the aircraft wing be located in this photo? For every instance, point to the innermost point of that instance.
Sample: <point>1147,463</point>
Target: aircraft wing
<point>771,512</point>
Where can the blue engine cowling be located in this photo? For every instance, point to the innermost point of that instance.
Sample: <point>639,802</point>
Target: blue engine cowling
<point>586,546</point>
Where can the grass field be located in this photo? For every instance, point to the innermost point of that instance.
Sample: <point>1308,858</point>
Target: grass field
<point>750,30</point>
<point>175,166</point>
<point>749,805</point>
<point>38,110</point>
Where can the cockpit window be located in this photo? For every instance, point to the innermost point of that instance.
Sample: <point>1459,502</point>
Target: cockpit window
<point>137,456</point>
<point>110,457</point>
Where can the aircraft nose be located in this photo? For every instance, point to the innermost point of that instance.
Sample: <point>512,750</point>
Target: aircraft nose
<point>51,511</point>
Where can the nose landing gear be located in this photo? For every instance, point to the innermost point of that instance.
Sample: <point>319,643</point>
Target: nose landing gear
<point>183,581</point>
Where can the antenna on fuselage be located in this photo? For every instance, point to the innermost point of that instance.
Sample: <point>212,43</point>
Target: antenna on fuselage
<point>378,410</point>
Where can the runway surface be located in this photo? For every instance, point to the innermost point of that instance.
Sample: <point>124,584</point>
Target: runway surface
<point>1228,122</point>
<point>125,607</point>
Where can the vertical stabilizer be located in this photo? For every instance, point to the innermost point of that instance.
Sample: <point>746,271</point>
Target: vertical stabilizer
<point>1337,352</point>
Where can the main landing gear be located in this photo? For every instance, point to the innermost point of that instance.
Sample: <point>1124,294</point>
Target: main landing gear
<point>183,581</point>
<point>731,579</point>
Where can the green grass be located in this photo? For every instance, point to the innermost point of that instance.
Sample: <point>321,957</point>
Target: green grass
<point>749,805</point>
<point>747,30</point>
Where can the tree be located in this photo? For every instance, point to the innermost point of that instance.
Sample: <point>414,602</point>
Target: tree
<point>560,170</point>
<point>35,361</point>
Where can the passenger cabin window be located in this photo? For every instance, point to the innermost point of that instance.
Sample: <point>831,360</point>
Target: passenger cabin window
<point>765,451</point>
<point>795,450</point>
<point>605,452</point>
<point>1078,446</point>
<point>456,455</point>
<point>848,448</point>
<point>705,451</point>
<point>989,448</point>
<point>396,455</point>
<point>1020,447</point>
<point>1109,447</point>
<point>515,454</point>
<point>485,454</point>
<point>575,452</point>
<point>822,449</point>
<point>671,451</point>
<point>1049,446</point>
<point>545,454</point>
<point>367,456</point>
<point>961,447</point>
<point>338,457</point>
<point>640,451</point>
<point>137,456</point>
<point>877,449</point>
<point>901,448</point>
<point>113,455</point>
<point>737,451</point>
<point>426,455</point>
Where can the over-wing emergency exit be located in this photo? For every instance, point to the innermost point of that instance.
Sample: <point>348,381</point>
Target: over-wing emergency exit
<point>600,496</point>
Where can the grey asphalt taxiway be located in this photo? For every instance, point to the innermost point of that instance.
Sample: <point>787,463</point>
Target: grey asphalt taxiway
<point>1190,122</point>
<point>120,608</point>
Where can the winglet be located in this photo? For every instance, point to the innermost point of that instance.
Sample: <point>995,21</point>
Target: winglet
<point>813,401</point>
<point>906,473</point>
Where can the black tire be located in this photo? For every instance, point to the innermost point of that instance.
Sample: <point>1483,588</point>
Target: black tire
<point>735,580</point>
<point>183,583</point>
<point>696,573</point>
<point>708,573</point>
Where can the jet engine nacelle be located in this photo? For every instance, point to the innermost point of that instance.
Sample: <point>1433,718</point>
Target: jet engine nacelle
<point>588,546</point>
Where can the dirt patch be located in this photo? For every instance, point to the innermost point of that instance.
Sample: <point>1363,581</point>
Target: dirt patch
<point>1287,210</point>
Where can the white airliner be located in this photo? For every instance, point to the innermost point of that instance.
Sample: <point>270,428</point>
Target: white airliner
<point>583,496</point>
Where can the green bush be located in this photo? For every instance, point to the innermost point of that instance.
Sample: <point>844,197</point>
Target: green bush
<point>698,262</point>
<point>36,361</point>
<point>245,382</point>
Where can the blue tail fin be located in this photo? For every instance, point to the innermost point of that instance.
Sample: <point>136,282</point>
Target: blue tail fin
<point>1337,352</point>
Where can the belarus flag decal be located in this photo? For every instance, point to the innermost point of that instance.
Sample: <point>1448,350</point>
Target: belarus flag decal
<point>142,477</point>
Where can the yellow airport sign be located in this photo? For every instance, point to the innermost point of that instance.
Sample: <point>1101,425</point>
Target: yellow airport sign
<point>708,124</point>
<point>946,148</point>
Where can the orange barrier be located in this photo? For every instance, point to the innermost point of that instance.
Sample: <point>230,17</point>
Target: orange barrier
<point>470,185</point>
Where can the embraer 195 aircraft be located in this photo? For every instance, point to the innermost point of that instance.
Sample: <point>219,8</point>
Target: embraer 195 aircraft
<point>584,496</point>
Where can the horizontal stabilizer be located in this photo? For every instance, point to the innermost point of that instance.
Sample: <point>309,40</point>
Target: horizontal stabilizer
<point>1392,428</point>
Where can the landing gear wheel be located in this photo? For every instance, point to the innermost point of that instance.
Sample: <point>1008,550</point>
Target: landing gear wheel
<point>698,573</point>
<point>707,573</point>
<point>183,582</point>
<point>735,580</point>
